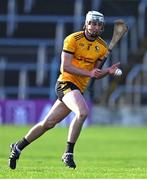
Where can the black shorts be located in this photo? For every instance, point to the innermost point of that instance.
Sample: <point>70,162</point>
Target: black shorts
<point>62,87</point>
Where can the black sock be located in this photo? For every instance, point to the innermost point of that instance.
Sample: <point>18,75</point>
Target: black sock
<point>22,144</point>
<point>70,147</point>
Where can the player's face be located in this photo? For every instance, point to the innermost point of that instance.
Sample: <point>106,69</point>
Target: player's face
<point>94,27</point>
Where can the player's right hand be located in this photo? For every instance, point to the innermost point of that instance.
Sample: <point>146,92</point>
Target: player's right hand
<point>95,73</point>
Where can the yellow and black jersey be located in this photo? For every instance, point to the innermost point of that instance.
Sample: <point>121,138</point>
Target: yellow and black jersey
<point>85,54</point>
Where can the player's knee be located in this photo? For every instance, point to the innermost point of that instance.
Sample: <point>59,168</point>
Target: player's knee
<point>83,114</point>
<point>48,125</point>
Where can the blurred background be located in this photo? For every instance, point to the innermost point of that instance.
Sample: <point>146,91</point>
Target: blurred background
<point>31,40</point>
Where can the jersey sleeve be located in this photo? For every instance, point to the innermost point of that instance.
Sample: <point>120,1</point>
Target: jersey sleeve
<point>69,44</point>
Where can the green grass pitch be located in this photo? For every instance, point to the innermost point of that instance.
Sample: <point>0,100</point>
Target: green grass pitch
<point>101,152</point>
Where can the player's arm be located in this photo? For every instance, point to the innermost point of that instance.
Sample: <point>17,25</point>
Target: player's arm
<point>102,73</point>
<point>107,71</point>
<point>67,66</point>
<point>98,63</point>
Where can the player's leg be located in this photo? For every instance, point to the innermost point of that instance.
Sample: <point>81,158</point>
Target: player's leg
<point>55,115</point>
<point>75,101</point>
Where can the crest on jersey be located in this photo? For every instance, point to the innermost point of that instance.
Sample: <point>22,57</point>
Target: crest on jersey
<point>97,48</point>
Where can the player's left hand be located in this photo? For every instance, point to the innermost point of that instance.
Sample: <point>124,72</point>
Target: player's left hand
<point>113,68</point>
